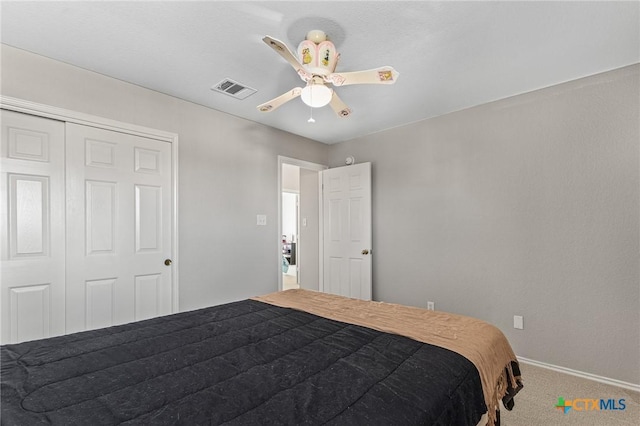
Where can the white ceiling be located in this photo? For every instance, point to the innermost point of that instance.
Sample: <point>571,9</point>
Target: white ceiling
<point>450,55</point>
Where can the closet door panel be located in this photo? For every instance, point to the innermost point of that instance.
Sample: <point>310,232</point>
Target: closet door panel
<point>32,229</point>
<point>119,227</point>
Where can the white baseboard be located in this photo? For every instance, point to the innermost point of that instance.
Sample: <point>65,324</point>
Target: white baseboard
<point>582,374</point>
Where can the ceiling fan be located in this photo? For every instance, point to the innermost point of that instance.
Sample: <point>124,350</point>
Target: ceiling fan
<point>315,64</point>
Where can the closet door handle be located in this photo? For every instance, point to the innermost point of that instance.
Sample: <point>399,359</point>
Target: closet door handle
<point>167,262</point>
<point>365,251</point>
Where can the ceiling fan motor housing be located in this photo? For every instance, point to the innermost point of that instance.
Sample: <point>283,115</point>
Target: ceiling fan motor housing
<point>318,59</point>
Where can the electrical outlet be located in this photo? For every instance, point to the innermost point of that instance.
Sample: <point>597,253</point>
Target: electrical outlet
<point>518,322</point>
<point>431,306</point>
<point>261,220</point>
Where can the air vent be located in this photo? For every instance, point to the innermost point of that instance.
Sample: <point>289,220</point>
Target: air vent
<point>233,89</point>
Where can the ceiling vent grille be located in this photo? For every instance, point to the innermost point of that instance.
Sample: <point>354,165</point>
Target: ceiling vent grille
<point>233,89</point>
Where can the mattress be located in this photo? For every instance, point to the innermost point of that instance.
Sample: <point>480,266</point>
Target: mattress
<point>241,363</point>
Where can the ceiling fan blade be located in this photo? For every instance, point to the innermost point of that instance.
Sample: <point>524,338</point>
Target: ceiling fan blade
<point>339,107</point>
<point>284,51</point>
<point>382,75</point>
<point>280,100</point>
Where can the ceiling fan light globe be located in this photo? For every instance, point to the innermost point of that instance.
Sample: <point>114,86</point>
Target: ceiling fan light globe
<point>316,95</point>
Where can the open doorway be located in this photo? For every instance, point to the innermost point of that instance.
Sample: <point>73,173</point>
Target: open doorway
<point>299,225</point>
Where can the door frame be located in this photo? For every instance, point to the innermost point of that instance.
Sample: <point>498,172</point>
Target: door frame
<point>309,166</point>
<point>65,115</point>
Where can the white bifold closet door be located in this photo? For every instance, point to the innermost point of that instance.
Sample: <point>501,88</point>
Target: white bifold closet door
<point>32,228</point>
<point>118,228</point>
<point>85,228</point>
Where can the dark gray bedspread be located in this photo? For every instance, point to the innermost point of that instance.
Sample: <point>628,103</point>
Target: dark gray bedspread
<point>243,363</point>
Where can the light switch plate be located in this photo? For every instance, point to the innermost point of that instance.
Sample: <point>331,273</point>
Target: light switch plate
<point>518,322</point>
<point>261,219</point>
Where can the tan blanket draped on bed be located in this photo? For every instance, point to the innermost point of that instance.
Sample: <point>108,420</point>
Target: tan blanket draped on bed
<point>478,341</point>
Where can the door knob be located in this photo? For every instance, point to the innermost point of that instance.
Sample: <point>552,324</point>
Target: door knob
<point>167,262</point>
<point>365,251</point>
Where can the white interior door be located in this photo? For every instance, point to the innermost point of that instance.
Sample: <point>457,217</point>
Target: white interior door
<point>118,228</point>
<point>32,227</point>
<point>347,231</point>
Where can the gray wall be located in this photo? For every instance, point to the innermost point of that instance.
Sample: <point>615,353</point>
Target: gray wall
<point>525,206</point>
<point>227,172</point>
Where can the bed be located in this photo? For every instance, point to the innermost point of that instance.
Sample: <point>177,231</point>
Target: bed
<point>293,357</point>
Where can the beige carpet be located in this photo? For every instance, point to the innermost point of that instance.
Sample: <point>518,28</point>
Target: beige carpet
<point>535,404</point>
